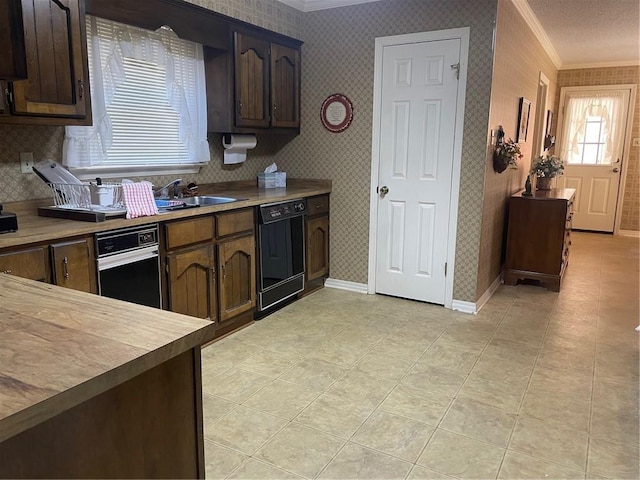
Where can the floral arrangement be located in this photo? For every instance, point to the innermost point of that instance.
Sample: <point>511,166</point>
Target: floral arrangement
<point>506,154</point>
<point>547,166</point>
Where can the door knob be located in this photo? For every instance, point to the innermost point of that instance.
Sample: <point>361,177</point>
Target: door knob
<point>384,190</point>
<point>616,170</point>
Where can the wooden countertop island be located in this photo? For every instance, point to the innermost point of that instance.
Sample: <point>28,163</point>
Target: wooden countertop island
<point>94,387</point>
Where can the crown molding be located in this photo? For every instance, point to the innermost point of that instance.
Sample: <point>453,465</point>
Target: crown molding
<point>574,66</point>
<point>525,10</point>
<point>313,5</point>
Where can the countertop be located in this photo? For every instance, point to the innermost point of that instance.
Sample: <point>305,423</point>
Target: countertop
<point>60,347</point>
<point>34,229</point>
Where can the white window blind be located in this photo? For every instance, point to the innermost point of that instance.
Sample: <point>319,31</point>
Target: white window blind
<point>148,101</point>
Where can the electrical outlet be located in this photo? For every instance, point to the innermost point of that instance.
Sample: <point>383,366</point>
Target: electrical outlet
<point>26,162</point>
<point>635,142</point>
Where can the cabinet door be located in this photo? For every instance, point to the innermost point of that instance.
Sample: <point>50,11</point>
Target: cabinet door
<point>31,263</point>
<point>192,287</point>
<point>74,266</point>
<point>13,63</point>
<point>251,81</point>
<point>285,86</point>
<point>57,79</point>
<point>236,276</point>
<point>4,105</point>
<point>318,247</point>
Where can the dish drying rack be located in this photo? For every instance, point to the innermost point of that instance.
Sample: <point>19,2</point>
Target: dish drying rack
<point>106,197</point>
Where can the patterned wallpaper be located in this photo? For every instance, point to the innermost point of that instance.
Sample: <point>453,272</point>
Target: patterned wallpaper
<point>511,80</point>
<point>630,217</point>
<point>338,57</point>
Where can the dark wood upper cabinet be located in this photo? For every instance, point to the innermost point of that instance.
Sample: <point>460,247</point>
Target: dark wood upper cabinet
<point>285,86</point>
<point>13,61</point>
<point>57,83</point>
<point>256,85</point>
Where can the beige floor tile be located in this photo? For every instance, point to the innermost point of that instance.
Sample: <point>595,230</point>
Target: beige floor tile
<point>479,420</point>
<point>507,366</point>
<point>334,415</point>
<point>448,356</point>
<point>314,374</point>
<point>613,460</point>
<point>560,411</point>
<point>385,365</point>
<point>616,396</point>
<point>245,429</point>
<point>421,473</point>
<point>398,436</point>
<point>235,385</point>
<point>435,380</point>
<point>517,465</point>
<point>542,440</point>
<point>220,461</point>
<point>282,399</point>
<point>420,405</point>
<point>224,354</point>
<point>267,363</point>
<point>214,408</point>
<point>402,343</point>
<point>615,425</point>
<point>361,388</point>
<point>549,382</point>
<point>339,352</point>
<point>254,469</point>
<point>501,391</point>
<point>460,456</point>
<point>356,462</point>
<point>300,450</point>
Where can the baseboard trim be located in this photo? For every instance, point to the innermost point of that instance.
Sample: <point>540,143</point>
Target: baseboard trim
<point>345,285</point>
<point>471,307</point>
<point>629,233</point>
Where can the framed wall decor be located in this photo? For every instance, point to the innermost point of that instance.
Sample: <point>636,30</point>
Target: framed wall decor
<point>523,120</point>
<point>336,113</point>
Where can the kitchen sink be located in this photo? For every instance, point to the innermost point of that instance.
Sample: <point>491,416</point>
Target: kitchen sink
<point>208,200</point>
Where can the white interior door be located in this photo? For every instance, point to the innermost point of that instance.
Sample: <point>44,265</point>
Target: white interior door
<point>418,106</point>
<point>594,126</point>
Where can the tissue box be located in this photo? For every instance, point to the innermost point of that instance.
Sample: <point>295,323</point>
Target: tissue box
<point>272,180</point>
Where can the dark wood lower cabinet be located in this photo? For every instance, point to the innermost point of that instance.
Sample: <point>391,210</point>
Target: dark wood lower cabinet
<point>318,247</point>
<point>147,427</point>
<point>30,263</point>
<point>74,265</point>
<point>237,277</point>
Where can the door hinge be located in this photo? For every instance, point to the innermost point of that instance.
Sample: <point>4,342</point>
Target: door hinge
<point>456,67</point>
<point>445,269</point>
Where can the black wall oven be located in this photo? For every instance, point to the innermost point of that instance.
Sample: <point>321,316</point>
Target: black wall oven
<point>129,265</point>
<point>281,252</point>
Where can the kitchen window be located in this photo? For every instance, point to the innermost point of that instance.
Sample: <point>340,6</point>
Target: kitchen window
<point>148,98</point>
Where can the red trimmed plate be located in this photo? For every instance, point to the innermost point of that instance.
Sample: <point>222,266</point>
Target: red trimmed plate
<point>336,113</point>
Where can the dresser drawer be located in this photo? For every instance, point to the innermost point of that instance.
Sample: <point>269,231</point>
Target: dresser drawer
<point>317,205</point>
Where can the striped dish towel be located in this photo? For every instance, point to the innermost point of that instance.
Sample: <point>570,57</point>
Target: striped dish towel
<point>138,199</point>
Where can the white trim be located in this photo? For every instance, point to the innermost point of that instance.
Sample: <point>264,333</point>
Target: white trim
<point>488,293</point>
<point>464,307</point>
<point>346,285</point>
<point>534,24</point>
<point>120,171</point>
<point>455,33</point>
<point>313,5</point>
<point>627,138</point>
<point>541,115</point>
<point>629,233</point>
<point>575,66</point>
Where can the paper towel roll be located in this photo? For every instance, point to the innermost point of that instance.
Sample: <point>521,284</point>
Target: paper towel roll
<point>236,146</point>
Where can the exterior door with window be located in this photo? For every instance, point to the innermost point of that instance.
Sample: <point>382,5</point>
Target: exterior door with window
<point>594,125</point>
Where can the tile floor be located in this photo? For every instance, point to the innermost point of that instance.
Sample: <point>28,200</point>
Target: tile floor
<point>343,385</point>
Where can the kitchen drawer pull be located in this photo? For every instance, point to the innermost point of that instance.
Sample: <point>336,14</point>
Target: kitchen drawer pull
<point>65,267</point>
<point>80,89</point>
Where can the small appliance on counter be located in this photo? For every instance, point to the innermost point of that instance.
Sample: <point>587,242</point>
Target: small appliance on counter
<point>8,221</point>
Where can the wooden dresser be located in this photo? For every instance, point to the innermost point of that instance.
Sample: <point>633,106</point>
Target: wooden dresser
<point>539,237</point>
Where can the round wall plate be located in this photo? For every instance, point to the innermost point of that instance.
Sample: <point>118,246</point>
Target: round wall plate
<point>336,113</point>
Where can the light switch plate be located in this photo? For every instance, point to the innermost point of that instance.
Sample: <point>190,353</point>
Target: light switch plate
<point>26,162</point>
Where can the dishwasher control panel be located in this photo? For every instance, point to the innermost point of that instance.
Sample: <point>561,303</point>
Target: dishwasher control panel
<point>126,239</point>
<point>274,212</point>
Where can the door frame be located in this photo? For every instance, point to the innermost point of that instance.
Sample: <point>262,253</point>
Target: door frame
<point>542,105</point>
<point>626,145</point>
<point>455,33</point>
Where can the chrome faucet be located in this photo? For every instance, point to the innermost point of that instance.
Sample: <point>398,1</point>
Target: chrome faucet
<point>163,192</point>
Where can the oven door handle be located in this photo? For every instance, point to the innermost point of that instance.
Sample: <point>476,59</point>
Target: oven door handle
<point>125,258</point>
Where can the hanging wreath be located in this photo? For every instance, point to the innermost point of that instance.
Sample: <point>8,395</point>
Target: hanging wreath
<point>506,152</point>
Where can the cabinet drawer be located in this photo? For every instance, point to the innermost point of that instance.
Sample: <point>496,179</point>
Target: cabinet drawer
<point>235,222</point>
<point>319,204</point>
<point>27,264</point>
<point>187,232</point>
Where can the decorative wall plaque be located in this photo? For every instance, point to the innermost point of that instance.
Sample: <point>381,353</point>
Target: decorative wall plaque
<point>336,113</point>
